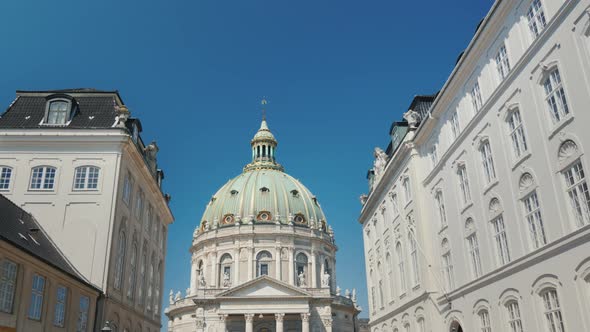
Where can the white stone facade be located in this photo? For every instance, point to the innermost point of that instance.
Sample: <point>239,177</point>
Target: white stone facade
<point>88,225</point>
<point>499,205</point>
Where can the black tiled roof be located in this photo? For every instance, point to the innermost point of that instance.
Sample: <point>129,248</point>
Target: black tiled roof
<point>421,104</point>
<point>93,109</point>
<point>20,229</point>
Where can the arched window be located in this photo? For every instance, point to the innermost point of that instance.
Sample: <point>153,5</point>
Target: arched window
<point>301,268</point>
<point>373,295</point>
<point>421,325</point>
<point>519,142</point>
<point>484,321</point>
<point>577,190</point>
<point>157,287</point>
<point>499,233</point>
<point>400,267</point>
<point>464,184</point>
<point>86,178</point>
<point>502,62</point>
<point>390,268</point>
<point>380,270</point>
<point>43,178</point>
<point>447,265</point>
<point>455,125</point>
<point>487,161</point>
<point>132,271</point>
<point>263,263</point>
<point>142,276</point>
<point>150,285</point>
<point>514,320</point>
<point>440,204</point>
<point>407,327</point>
<point>407,189</point>
<point>225,270</point>
<point>476,98</point>
<point>552,310</point>
<point>536,18</point>
<point>414,258</point>
<point>120,259</point>
<point>5,175</point>
<point>534,219</point>
<point>473,248</point>
<point>395,205</point>
<point>555,96</point>
<point>57,112</point>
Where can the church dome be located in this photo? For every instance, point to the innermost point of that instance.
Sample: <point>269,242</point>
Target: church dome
<point>263,193</point>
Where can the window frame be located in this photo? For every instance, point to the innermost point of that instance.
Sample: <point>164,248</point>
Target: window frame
<point>556,99</point>
<point>83,314</point>
<point>473,248</point>
<point>502,62</point>
<point>85,180</point>
<point>533,216</point>
<point>401,268</point>
<point>517,134</point>
<point>35,311</point>
<point>67,113</point>
<point>484,320</point>
<point>127,195</point>
<point>413,246</point>
<point>513,313</point>
<point>447,265</point>
<point>455,125</point>
<point>487,159</point>
<point>60,307</point>
<point>476,97</point>
<point>10,284</point>
<point>440,204</point>
<point>120,260</point>
<point>44,178</point>
<point>579,210</point>
<point>500,239</point>
<point>554,310</point>
<point>6,175</point>
<point>535,17</point>
<point>464,184</point>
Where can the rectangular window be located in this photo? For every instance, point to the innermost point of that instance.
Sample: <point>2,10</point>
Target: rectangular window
<point>448,271</point>
<point>127,188</point>
<point>476,99</point>
<point>43,178</point>
<point>552,312</point>
<point>86,178</point>
<point>414,258</point>
<point>8,272</point>
<point>577,190</point>
<point>59,315</point>
<point>484,321</point>
<point>488,162</point>
<point>474,255</point>
<point>5,175</point>
<point>455,125</point>
<point>82,325</point>
<point>464,185</point>
<point>442,215</point>
<point>534,219</point>
<point>536,18</point>
<point>139,205</point>
<point>514,320</point>
<point>36,304</point>
<point>519,143</point>
<point>263,269</point>
<point>407,190</point>
<point>502,62</point>
<point>499,231</point>
<point>555,96</point>
<point>433,156</point>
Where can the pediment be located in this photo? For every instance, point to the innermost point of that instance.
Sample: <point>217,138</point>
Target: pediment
<point>264,287</point>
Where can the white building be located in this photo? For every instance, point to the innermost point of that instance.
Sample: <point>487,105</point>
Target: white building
<point>76,161</point>
<point>480,218</point>
<point>263,258</point>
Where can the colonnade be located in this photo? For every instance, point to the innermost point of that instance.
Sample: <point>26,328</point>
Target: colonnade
<point>279,319</point>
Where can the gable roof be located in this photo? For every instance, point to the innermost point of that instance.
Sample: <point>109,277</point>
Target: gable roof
<point>92,109</point>
<point>263,281</point>
<point>20,229</point>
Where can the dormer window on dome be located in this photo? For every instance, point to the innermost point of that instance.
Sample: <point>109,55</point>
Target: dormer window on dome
<point>295,193</point>
<point>264,190</point>
<point>234,192</point>
<point>58,110</point>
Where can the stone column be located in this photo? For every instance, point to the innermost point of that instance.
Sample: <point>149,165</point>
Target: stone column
<point>222,318</point>
<point>305,322</point>
<point>236,267</point>
<point>249,322</point>
<point>250,263</point>
<point>313,275</point>
<point>279,320</point>
<point>291,268</point>
<point>214,269</point>
<point>194,277</point>
<point>278,262</point>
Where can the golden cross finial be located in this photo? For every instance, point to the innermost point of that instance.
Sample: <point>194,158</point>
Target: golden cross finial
<point>263,103</point>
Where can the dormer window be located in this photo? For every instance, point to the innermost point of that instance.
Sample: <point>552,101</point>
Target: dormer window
<point>234,192</point>
<point>264,190</point>
<point>57,112</point>
<point>295,193</point>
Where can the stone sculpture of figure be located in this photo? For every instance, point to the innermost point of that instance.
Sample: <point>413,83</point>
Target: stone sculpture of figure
<point>353,296</point>
<point>171,299</point>
<point>123,114</point>
<point>178,296</point>
<point>380,161</point>
<point>187,292</point>
<point>338,290</point>
<point>202,281</point>
<point>363,198</point>
<point>301,279</point>
<point>325,280</point>
<point>413,118</point>
<point>226,282</point>
<point>347,293</point>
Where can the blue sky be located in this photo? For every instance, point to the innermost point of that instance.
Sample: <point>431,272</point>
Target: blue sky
<point>336,74</point>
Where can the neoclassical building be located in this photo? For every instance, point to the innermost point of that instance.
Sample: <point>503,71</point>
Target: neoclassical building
<point>263,257</point>
<point>478,214</point>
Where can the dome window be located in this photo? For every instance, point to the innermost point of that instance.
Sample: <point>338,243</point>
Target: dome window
<point>299,218</point>
<point>228,219</point>
<point>295,193</point>
<point>315,200</point>
<point>234,192</point>
<point>264,189</point>
<point>264,216</point>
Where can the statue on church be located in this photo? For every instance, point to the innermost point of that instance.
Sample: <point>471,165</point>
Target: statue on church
<point>353,295</point>
<point>413,118</point>
<point>226,282</point>
<point>380,161</point>
<point>325,280</point>
<point>338,290</point>
<point>202,282</point>
<point>171,298</point>
<point>301,279</point>
<point>178,296</point>
<point>363,198</point>
<point>347,293</point>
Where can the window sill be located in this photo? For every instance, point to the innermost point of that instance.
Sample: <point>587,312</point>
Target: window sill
<point>466,207</point>
<point>443,228</point>
<point>41,192</point>
<point>490,185</point>
<point>559,126</point>
<point>85,192</point>
<point>520,160</point>
<point>416,287</point>
<point>402,295</point>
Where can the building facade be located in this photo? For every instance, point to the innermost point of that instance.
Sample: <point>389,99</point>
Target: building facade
<point>75,159</point>
<point>39,288</point>
<point>498,221</point>
<point>263,258</point>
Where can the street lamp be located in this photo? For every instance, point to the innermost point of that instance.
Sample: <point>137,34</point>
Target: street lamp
<point>107,327</point>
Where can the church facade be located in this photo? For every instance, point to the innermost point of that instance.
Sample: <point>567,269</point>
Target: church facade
<point>263,258</point>
<point>478,213</point>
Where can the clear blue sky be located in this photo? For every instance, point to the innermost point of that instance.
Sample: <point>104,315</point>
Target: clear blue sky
<point>336,74</point>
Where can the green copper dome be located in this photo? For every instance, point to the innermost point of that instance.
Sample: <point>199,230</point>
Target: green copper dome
<point>263,193</point>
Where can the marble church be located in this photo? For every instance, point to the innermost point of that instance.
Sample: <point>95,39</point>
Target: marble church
<point>263,257</point>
